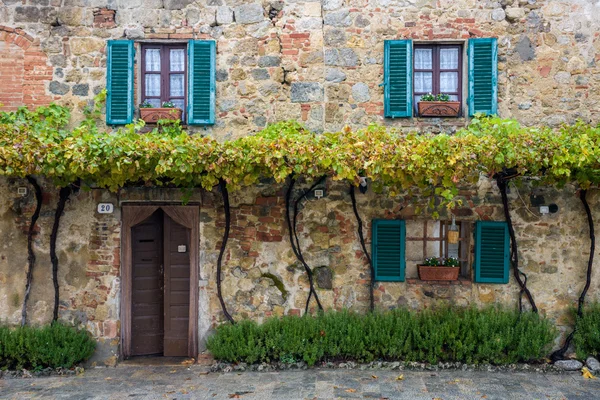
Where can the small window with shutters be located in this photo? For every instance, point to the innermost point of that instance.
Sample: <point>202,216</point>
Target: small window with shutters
<point>492,252</point>
<point>388,250</point>
<point>179,73</point>
<point>412,70</point>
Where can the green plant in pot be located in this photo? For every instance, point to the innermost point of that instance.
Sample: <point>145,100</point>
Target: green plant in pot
<point>439,269</point>
<point>152,115</point>
<point>438,105</point>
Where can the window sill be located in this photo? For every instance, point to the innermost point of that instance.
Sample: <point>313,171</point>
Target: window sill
<point>461,281</point>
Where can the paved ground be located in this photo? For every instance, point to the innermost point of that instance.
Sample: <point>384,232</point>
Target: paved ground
<point>180,382</point>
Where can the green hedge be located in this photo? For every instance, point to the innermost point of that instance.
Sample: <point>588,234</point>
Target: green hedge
<point>52,346</point>
<point>587,335</point>
<point>490,335</point>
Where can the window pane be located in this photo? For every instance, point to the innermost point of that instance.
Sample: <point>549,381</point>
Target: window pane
<point>152,85</point>
<point>423,59</point>
<point>177,60</point>
<point>152,60</point>
<point>423,82</point>
<point>448,58</point>
<point>176,88</point>
<point>178,103</point>
<point>154,102</point>
<point>453,97</point>
<point>448,82</point>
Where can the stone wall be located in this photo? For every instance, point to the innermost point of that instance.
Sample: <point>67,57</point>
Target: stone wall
<point>321,62</point>
<point>261,275</point>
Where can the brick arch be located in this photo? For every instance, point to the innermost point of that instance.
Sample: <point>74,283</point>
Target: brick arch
<point>24,70</point>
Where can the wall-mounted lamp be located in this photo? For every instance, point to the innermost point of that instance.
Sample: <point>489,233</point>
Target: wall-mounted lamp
<point>363,185</point>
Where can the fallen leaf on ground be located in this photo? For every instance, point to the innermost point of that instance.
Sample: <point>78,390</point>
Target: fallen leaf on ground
<point>173,371</point>
<point>108,378</point>
<point>238,395</point>
<point>587,374</point>
<point>203,373</point>
<point>188,362</point>
<point>400,377</point>
<point>351,390</point>
<point>374,376</point>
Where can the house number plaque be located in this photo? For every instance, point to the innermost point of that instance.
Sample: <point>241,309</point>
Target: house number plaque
<point>106,208</point>
<point>182,248</point>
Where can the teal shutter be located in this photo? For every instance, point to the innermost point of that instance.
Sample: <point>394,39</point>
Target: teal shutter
<point>201,91</point>
<point>119,82</point>
<point>492,252</point>
<point>388,249</point>
<point>483,76</point>
<point>397,71</point>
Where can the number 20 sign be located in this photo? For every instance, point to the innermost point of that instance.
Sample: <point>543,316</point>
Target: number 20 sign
<point>106,208</point>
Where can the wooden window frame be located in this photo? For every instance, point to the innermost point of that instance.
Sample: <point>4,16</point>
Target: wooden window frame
<point>165,73</point>
<point>436,70</point>
<point>464,244</point>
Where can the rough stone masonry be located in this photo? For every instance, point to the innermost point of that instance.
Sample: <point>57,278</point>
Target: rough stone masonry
<point>319,63</point>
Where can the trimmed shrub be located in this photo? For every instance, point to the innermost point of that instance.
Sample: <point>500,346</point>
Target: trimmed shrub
<point>491,335</point>
<point>54,346</point>
<point>587,334</point>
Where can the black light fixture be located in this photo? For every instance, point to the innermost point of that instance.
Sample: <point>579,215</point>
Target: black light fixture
<point>363,185</point>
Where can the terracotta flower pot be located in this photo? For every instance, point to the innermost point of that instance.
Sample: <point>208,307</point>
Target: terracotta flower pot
<point>153,115</point>
<point>438,273</point>
<point>439,108</point>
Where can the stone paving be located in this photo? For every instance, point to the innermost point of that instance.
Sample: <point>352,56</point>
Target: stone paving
<point>181,382</point>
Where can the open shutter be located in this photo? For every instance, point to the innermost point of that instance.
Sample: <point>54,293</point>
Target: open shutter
<point>388,249</point>
<point>397,70</point>
<point>201,101</point>
<point>119,82</point>
<point>483,76</point>
<point>492,251</point>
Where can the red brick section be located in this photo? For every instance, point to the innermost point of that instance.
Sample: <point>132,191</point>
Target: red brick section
<point>24,70</point>
<point>104,18</point>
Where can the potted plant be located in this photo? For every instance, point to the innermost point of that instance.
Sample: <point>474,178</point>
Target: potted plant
<point>431,105</point>
<point>439,269</point>
<point>152,114</point>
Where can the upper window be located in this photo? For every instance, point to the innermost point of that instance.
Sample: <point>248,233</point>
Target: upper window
<point>180,73</point>
<point>164,75</point>
<point>412,71</point>
<point>437,70</point>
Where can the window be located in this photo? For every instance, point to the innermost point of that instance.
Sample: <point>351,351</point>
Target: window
<point>437,69</point>
<point>164,75</point>
<point>430,239</point>
<point>180,73</point>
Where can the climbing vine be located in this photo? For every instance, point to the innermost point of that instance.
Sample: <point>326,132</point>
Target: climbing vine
<point>225,194</point>
<point>520,276</point>
<point>295,241</point>
<point>560,353</point>
<point>40,143</point>
<point>30,252</point>
<point>361,238</point>
<point>63,196</point>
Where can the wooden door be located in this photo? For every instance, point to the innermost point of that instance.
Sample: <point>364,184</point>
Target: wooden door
<point>147,287</point>
<point>177,288</point>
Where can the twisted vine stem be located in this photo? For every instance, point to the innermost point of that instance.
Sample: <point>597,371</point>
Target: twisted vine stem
<point>560,353</point>
<point>63,196</point>
<point>30,252</point>
<point>295,242</point>
<point>514,256</point>
<point>364,248</point>
<point>225,194</point>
